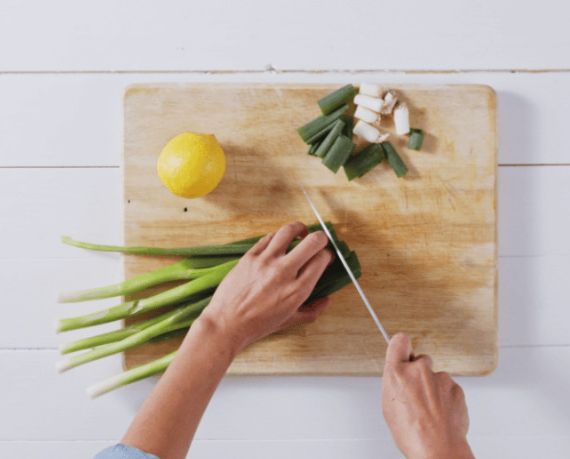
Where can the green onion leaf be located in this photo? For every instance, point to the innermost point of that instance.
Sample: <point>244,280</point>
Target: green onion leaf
<point>330,138</point>
<point>416,139</point>
<point>308,131</point>
<point>394,159</point>
<point>364,161</point>
<point>334,100</point>
<point>313,148</point>
<point>338,153</point>
<point>348,125</point>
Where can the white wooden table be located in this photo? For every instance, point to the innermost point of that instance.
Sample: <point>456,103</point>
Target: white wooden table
<point>63,69</point>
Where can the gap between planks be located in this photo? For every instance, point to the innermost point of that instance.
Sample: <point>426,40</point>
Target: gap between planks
<point>270,69</point>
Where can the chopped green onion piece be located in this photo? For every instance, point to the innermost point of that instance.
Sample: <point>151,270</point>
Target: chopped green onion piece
<point>364,161</point>
<point>338,153</point>
<point>334,100</point>
<point>416,139</point>
<point>321,134</point>
<point>394,159</point>
<point>313,148</point>
<point>348,125</point>
<point>330,138</point>
<point>308,131</point>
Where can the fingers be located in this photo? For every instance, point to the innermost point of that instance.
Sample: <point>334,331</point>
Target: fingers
<point>399,349</point>
<point>424,359</point>
<point>312,272</point>
<point>284,236</point>
<point>261,245</point>
<point>307,249</point>
<point>307,313</point>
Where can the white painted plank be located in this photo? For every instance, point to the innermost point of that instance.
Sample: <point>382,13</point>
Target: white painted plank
<point>60,120</point>
<point>534,217</point>
<point>34,311</point>
<point>76,120</point>
<point>533,300</point>
<point>521,446</point>
<point>38,206</point>
<point>509,447</point>
<point>527,396</point>
<point>288,34</point>
<point>214,449</point>
<point>51,449</point>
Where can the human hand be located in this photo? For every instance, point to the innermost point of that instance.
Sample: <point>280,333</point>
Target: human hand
<point>266,290</point>
<point>425,411</point>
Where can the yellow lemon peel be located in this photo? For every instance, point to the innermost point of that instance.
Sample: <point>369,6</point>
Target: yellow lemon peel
<point>191,165</point>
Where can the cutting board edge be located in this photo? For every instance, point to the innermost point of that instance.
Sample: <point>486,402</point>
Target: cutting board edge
<point>135,88</point>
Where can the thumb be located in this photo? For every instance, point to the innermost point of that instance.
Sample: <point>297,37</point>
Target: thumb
<point>399,349</point>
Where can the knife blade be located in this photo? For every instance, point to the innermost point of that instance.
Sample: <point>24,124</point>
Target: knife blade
<point>347,267</point>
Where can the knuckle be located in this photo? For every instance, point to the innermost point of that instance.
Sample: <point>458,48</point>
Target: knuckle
<point>275,270</point>
<point>291,228</point>
<point>458,391</point>
<point>263,260</point>
<point>319,238</point>
<point>325,256</point>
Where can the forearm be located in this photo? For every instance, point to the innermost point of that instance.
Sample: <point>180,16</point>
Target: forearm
<point>167,421</point>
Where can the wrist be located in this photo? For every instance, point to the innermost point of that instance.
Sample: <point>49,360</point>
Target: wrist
<point>459,450</point>
<point>216,330</point>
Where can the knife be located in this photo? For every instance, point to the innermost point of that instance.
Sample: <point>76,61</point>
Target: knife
<point>348,270</point>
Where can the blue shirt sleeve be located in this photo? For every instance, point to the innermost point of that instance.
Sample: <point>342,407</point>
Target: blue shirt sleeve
<point>124,452</point>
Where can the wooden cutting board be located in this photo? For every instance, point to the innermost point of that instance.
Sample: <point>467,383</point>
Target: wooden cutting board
<point>427,243</point>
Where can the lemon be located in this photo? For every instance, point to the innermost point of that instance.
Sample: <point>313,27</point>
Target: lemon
<point>191,165</point>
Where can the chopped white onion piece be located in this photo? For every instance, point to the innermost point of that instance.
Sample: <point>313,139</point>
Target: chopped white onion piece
<point>402,119</point>
<point>369,133</point>
<point>390,100</point>
<point>369,89</point>
<point>366,132</point>
<point>365,114</point>
<point>373,103</point>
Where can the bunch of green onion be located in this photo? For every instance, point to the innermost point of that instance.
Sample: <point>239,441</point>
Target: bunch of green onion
<point>202,269</point>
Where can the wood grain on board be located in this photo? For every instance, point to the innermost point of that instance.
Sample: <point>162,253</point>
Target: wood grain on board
<point>427,243</point>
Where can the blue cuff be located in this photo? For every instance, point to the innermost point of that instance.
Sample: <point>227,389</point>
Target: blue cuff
<point>124,452</point>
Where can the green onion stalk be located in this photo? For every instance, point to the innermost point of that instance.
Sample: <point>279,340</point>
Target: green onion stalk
<point>136,374</point>
<point>334,278</point>
<point>181,317</point>
<point>199,251</point>
<point>205,267</point>
<point>211,252</point>
<point>189,268</point>
<point>116,335</point>
<point>136,307</point>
